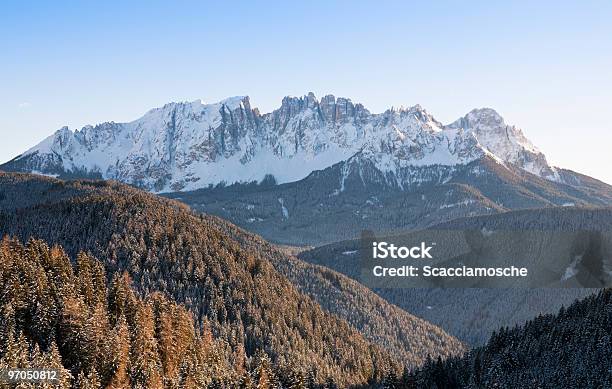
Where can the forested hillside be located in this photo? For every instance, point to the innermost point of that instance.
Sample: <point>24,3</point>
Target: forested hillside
<point>64,316</point>
<point>472,314</point>
<point>568,350</point>
<point>469,314</point>
<point>385,324</point>
<point>233,290</point>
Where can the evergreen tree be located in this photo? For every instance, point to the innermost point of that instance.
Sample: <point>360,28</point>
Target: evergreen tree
<point>117,371</point>
<point>145,364</point>
<point>90,380</point>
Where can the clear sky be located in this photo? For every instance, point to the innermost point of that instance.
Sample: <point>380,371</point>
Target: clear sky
<point>546,66</point>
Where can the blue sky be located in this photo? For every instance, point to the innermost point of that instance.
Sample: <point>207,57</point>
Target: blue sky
<point>545,66</point>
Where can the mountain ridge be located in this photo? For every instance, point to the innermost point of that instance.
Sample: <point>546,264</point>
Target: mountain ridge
<point>357,196</point>
<point>191,145</point>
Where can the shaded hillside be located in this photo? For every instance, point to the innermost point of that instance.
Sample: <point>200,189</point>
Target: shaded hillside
<point>357,196</point>
<point>385,324</point>
<point>235,288</point>
<point>556,219</point>
<point>469,314</point>
<point>472,314</point>
<point>568,350</point>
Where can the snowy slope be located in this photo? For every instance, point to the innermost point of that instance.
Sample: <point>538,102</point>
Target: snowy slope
<point>185,146</point>
<point>506,142</point>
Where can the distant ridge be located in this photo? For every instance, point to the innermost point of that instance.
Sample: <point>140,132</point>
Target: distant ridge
<point>191,145</point>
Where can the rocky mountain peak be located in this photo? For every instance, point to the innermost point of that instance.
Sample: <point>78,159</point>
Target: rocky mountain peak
<point>308,111</point>
<point>506,142</point>
<point>198,107</point>
<point>189,145</point>
<point>487,116</point>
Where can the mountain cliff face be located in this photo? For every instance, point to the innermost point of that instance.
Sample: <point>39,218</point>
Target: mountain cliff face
<point>506,142</point>
<point>186,146</point>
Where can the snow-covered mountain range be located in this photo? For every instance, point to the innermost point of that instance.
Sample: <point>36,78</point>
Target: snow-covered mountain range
<point>185,146</point>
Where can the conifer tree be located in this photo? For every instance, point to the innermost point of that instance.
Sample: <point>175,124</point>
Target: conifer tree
<point>90,380</point>
<point>264,375</point>
<point>145,365</point>
<point>52,359</point>
<point>117,372</point>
